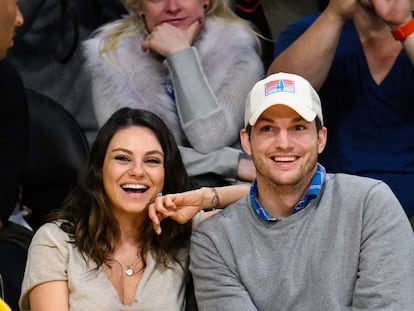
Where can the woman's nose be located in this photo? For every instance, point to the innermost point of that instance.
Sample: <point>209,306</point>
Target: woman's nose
<point>173,5</point>
<point>135,170</point>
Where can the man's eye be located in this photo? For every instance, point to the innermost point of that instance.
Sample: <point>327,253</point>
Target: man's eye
<point>266,129</point>
<point>300,127</point>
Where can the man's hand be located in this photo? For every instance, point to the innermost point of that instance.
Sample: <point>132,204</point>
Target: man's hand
<point>395,13</point>
<point>342,9</point>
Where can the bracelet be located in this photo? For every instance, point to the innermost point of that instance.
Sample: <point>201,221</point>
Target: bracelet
<point>215,201</point>
<point>401,33</point>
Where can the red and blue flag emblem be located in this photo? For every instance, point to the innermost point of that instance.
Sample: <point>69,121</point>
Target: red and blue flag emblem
<point>282,85</point>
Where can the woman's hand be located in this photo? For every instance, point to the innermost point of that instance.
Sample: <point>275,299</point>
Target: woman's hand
<point>166,39</point>
<point>181,207</point>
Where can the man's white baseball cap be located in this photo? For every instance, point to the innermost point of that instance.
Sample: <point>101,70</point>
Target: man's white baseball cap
<point>286,89</point>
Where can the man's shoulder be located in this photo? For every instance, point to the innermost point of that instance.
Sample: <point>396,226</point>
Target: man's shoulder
<point>305,20</point>
<point>350,179</point>
<point>341,186</point>
<point>8,74</point>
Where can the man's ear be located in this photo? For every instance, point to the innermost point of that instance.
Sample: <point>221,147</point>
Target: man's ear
<point>245,141</point>
<point>322,137</point>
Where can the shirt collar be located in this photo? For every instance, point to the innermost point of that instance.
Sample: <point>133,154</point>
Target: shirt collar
<point>313,192</point>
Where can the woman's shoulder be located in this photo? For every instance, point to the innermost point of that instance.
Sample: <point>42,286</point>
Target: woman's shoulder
<point>114,27</point>
<point>230,37</point>
<point>228,30</point>
<point>50,233</point>
<point>124,33</point>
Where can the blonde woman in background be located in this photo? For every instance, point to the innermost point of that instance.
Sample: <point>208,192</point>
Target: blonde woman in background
<point>191,62</point>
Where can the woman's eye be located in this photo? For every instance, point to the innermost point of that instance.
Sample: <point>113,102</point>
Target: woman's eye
<point>121,158</point>
<point>153,161</point>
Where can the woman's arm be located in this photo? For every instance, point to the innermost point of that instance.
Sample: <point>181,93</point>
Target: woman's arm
<point>212,116</point>
<point>211,75</point>
<point>182,207</point>
<point>50,296</point>
<point>221,162</point>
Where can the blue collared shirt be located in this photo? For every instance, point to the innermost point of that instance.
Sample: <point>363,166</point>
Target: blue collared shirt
<point>314,190</point>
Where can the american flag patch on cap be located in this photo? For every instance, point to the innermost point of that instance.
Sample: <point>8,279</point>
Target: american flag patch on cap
<point>282,85</point>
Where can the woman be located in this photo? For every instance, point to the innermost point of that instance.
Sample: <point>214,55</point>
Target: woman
<point>99,251</point>
<point>190,62</point>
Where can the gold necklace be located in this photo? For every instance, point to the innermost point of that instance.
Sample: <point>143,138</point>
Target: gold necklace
<point>129,270</point>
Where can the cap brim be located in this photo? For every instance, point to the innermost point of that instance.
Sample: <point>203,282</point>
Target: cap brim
<point>303,111</point>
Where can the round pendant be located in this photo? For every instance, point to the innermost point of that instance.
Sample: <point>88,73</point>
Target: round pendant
<point>129,271</point>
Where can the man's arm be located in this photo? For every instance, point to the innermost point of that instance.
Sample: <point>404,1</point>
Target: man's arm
<point>385,279</point>
<point>396,14</point>
<point>217,285</point>
<point>409,47</point>
<point>311,55</point>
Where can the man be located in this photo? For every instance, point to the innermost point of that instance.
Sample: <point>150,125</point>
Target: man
<point>47,52</point>
<point>10,17</point>
<point>271,17</point>
<point>13,140</point>
<point>302,239</point>
<point>359,55</point>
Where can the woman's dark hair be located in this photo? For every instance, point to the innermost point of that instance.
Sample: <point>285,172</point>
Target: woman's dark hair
<point>87,215</point>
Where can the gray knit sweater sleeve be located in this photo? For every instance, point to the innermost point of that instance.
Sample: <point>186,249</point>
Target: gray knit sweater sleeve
<point>212,119</point>
<point>223,162</point>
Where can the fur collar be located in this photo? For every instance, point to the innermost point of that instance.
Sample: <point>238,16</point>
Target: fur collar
<point>130,77</point>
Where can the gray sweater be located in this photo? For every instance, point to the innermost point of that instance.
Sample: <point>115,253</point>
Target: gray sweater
<point>351,249</point>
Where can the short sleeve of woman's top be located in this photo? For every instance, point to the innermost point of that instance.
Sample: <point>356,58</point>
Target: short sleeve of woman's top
<point>47,259</point>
